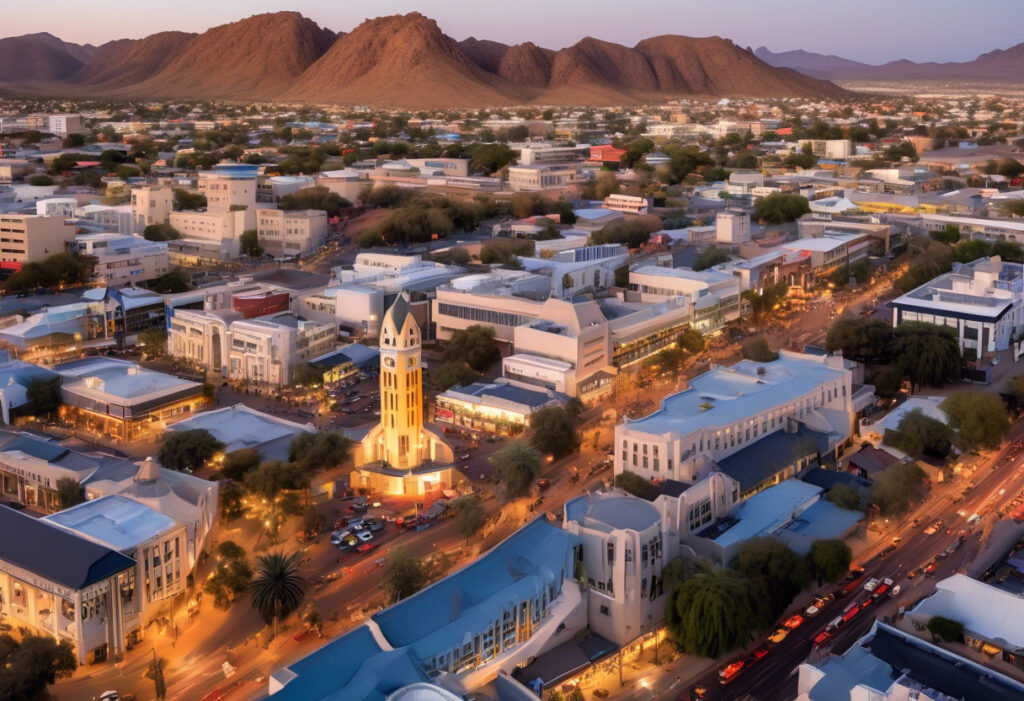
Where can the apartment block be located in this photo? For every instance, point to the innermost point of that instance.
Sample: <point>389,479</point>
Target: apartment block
<point>25,238</point>
<point>151,204</point>
<point>283,234</point>
<point>123,259</point>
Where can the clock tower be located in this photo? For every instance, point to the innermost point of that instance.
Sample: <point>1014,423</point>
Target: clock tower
<point>401,387</point>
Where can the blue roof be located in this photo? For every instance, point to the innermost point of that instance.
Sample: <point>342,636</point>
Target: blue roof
<point>767,511</point>
<point>824,520</point>
<point>532,398</point>
<point>439,617</point>
<point>773,454</point>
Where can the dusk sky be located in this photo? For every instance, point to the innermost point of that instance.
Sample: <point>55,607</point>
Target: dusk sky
<point>873,31</point>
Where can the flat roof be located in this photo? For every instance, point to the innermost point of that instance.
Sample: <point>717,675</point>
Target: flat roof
<point>610,511</point>
<point>54,553</point>
<point>823,244</point>
<point>114,521</point>
<point>767,511</point>
<point>239,427</point>
<point>772,453</point>
<point>105,378</point>
<point>726,395</point>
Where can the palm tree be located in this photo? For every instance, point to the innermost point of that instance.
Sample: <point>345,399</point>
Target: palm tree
<point>278,588</point>
<point>517,465</point>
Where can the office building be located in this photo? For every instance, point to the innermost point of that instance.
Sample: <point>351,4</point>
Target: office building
<point>25,238</point>
<point>732,227</point>
<point>151,204</point>
<point>534,178</point>
<point>728,408</point>
<point>628,204</point>
<point>503,407</point>
<point>713,295</point>
<point>293,233</point>
<point>828,149</point>
<point>122,259</point>
<point>230,191</point>
<point>981,301</point>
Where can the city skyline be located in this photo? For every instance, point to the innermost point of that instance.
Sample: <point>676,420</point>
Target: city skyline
<point>961,36</point>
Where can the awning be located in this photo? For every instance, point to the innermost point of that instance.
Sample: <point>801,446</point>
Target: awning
<point>990,649</point>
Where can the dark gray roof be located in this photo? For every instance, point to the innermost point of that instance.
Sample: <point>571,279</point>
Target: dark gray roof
<point>292,279</point>
<point>826,479</point>
<point>399,311</point>
<point>54,553</point>
<point>772,454</point>
<point>42,450</point>
<point>942,672</point>
<point>872,459</point>
<point>513,393</point>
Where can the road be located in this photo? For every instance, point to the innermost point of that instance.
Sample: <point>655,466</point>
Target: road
<point>774,677</point>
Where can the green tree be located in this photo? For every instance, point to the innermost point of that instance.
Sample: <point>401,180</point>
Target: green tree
<point>946,629</point>
<point>978,417</point>
<point>306,375</point>
<point>249,244</point>
<point>711,613</point>
<point>765,301</point>
<point>919,434</point>
<point>553,431</point>
<point>829,560</point>
<point>474,346</point>
<point>318,197</point>
<point>231,575</point>
<point>154,342</point>
<point>404,574</point>
<point>691,340</point>
<point>40,180</point>
<point>273,477</point>
<point>278,588</point>
<point>69,492</point>
<point>926,354</point>
<point>971,250</point>
<point>845,497</point>
<point>232,504</point>
<point>238,463</point>
<point>156,673</point>
<point>888,383</point>
<point>631,233</point>
<point>185,200</point>
<point>447,375</point>
<point>517,465</point>
<point>29,666</point>
<point>781,207</point>
<point>160,232</point>
<point>60,269</point>
<point>865,340</point>
<point>504,250</point>
<point>487,159</point>
<point>637,485</point>
<point>43,395</point>
<point>709,257</point>
<point>187,451</point>
<point>775,572</point>
<point>314,452</point>
<point>757,349</point>
<point>171,283</point>
<point>470,515</point>
<point>897,487</point>
<point>949,234</point>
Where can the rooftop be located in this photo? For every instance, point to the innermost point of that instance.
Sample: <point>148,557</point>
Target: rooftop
<point>239,427</point>
<point>54,553</point>
<point>772,453</point>
<point>767,511</point>
<point>612,510</point>
<point>122,380</point>
<point>113,521</point>
<point>985,610</point>
<point>726,395</point>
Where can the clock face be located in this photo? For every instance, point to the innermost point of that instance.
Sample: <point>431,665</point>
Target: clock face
<point>390,362</point>
<point>412,362</point>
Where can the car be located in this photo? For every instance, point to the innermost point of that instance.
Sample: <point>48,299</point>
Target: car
<point>778,636</point>
<point>365,536</point>
<point>871,584</point>
<point>366,547</point>
<point>812,610</point>
<point>759,653</point>
<point>912,574</point>
<point>930,568</point>
<point>699,692</point>
<point>896,540</point>
<point>793,622</point>
<point>728,673</point>
<point>824,599</point>
<point>822,637</point>
<point>867,602</point>
<point>543,484</point>
<point>373,524</point>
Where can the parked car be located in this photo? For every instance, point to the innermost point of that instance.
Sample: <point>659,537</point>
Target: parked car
<point>366,547</point>
<point>364,535</point>
<point>778,636</point>
<point>793,622</point>
<point>728,673</point>
<point>374,524</point>
<point>871,584</point>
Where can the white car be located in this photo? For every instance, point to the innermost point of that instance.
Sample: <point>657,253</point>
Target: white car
<point>364,536</point>
<point>871,585</point>
<point>812,610</point>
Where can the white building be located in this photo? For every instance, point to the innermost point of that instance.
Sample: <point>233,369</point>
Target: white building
<point>123,259</point>
<point>726,409</point>
<point>293,233</point>
<point>714,296</point>
<point>579,270</point>
<point>626,545</point>
<point>263,349</point>
<point>981,301</point>
<point>830,149</point>
<point>533,178</point>
<point>151,204</point>
<point>732,227</point>
<point>538,154</point>
<point>230,191</point>
<point>628,204</point>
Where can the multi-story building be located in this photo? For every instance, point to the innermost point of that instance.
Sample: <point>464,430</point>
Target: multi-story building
<point>121,259</point>
<point>540,154</point>
<point>982,301</point>
<point>119,401</point>
<point>990,230</point>
<point>293,233</point>
<point>154,541</point>
<point>830,149</point>
<point>732,227</point>
<point>25,238</point>
<point>62,585</point>
<point>588,269</point>
<point>726,409</point>
<point>151,204</point>
<point>64,124</point>
<point>549,176</point>
<point>501,300</point>
<point>831,250</point>
<point>628,204</point>
<point>261,349</point>
<point>230,191</point>
<point>626,543</point>
<point>503,407</point>
<point>714,296</point>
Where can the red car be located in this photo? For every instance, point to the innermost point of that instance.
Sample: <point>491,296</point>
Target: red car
<point>794,622</point>
<point>727,674</point>
<point>366,547</point>
<point>822,637</point>
<point>759,653</point>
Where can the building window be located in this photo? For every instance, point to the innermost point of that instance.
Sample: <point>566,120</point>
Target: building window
<point>604,610</point>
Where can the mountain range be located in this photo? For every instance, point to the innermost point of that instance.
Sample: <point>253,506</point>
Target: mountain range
<point>400,61</point>
<point>1001,65</point>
